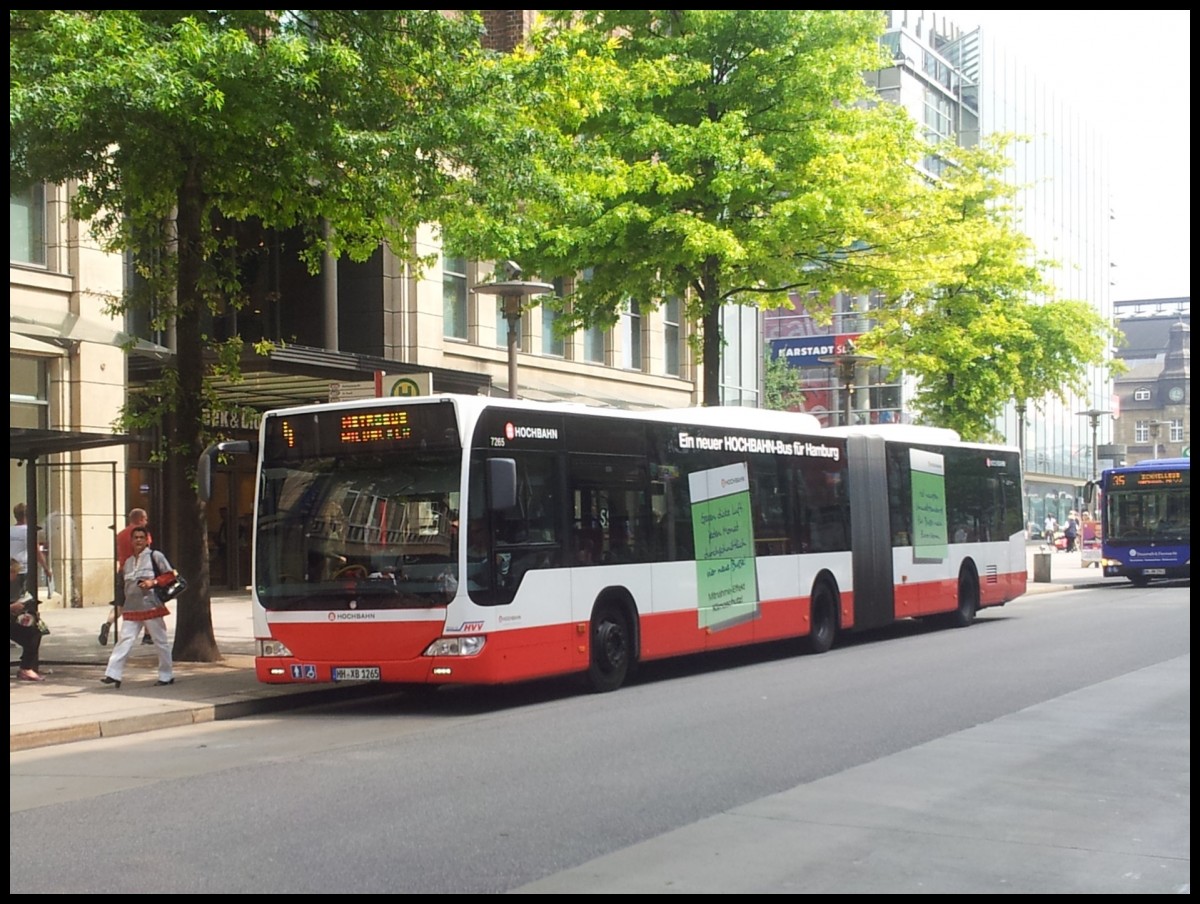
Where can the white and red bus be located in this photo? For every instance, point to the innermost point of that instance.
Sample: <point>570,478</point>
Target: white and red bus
<point>468,540</point>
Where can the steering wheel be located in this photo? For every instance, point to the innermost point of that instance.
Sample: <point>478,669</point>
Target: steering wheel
<point>351,571</point>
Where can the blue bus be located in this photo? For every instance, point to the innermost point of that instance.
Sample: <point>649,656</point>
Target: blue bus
<point>1145,514</point>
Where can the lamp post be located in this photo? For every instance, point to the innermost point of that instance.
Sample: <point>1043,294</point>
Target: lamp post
<point>1155,427</point>
<point>513,290</point>
<point>847,369</point>
<point>1094,415</point>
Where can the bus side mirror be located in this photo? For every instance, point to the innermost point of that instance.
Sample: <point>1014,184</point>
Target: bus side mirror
<point>1089,493</point>
<point>502,484</point>
<point>204,467</point>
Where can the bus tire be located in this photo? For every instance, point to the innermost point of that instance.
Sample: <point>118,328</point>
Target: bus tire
<point>823,619</point>
<point>611,648</point>
<point>968,599</point>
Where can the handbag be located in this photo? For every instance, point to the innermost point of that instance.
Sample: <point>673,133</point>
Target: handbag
<point>167,584</point>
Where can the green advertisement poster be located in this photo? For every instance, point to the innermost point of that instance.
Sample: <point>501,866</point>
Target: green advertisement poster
<point>929,506</point>
<point>724,532</point>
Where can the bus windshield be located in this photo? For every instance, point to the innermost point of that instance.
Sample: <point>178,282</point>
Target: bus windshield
<point>1140,515</point>
<point>358,517</point>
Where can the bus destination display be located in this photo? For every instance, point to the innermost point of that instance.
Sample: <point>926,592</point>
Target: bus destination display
<point>1149,479</point>
<point>375,426</point>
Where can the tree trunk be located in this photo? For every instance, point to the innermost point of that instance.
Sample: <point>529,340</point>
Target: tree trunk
<point>187,534</point>
<point>711,353</point>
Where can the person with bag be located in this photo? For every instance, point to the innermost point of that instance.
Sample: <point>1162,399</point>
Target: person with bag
<point>143,607</point>
<point>23,623</point>
<point>137,518</point>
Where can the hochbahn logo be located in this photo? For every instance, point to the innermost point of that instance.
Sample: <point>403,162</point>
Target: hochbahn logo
<point>515,431</point>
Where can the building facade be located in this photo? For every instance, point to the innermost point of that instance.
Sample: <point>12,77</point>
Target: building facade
<point>67,378</point>
<point>1153,410</point>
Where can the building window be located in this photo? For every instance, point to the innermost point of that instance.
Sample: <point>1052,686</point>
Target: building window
<point>741,356</point>
<point>27,225</point>
<point>454,297</point>
<point>552,342</point>
<point>1141,432</point>
<point>593,336</point>
<point>1176,425</point>
<point>1141,395</point>
<point>671,314</point>
<point>631,335</point>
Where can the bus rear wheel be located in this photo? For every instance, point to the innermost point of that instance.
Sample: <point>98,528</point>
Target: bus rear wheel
<point>968,599</point>
<point>823,620</point>
<point>611,649</point>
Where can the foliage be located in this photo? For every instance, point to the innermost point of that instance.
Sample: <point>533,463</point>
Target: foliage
<point>725,156</point>
<point>784,385</point>
<point>189,132</point>
<point>978,326</point>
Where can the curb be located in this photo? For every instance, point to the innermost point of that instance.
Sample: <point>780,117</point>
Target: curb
<point>118,726</point>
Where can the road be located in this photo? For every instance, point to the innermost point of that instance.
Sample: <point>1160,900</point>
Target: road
<point>1046,748</point>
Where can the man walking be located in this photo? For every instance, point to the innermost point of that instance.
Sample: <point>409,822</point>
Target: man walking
<point>142,607</point>
<point>137,518</point>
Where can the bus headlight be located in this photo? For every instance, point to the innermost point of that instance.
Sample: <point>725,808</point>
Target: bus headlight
<point>455,646</point>
<point>273,649</point>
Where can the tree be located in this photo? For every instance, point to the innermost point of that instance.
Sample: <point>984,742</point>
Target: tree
<point>783,385</point>
<point>978,325</point>
<point>722,156</point>
<point>185,129</point>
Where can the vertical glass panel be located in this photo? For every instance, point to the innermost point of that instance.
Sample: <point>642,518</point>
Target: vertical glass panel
<point>454,297</point>
<point>27,225</point>
<point>671,314</point>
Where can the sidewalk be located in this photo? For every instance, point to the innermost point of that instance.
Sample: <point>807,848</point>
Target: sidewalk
<point>72,705</point>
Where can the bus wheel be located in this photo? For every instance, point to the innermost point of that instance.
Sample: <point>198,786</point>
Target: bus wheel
<point>824,619</point>
<point>1139,580</point>
<point>968,599</point>
<point>611,649</point>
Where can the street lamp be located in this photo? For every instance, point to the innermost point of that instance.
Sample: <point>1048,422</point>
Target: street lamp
<point>1094,414</point>
<point>847,369</point>
<point>1155,427</point>
<point>513,290</point>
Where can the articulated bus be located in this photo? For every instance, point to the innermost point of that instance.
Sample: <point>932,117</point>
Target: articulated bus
<point>467,540</point>
<point>1145,520</point>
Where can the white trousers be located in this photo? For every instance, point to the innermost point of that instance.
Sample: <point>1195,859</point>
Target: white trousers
<point>157,629</point>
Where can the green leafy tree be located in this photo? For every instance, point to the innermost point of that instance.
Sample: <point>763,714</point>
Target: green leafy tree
<point>783,385</point>
<point>722,156</point>
<point>188,130</point>
<point>976,322</point>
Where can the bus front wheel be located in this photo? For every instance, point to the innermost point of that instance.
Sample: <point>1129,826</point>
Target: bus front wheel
<point>611,649</point>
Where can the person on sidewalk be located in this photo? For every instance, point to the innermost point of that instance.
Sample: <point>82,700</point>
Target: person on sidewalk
<point>1071,531</point>
<point>137,518</point>
<point>18,548</point>
<point>142,607</point>
<point>22,623</point>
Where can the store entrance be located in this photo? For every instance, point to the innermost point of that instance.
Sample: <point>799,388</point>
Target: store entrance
<point>230,515</point>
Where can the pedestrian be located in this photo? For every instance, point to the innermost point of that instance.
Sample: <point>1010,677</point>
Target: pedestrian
<point>1071,531</point>
<point>18,548</point>
<point>142,607</point>
<point>137,518</point>
<point>22,624</point>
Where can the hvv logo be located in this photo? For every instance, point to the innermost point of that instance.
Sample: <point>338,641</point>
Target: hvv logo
<point>466,626</point>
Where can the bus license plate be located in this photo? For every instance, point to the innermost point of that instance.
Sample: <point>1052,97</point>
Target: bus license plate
<point>357,673</point>
<point>1154,571</point>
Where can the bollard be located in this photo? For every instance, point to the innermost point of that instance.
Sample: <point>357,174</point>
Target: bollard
<point>1041,567</point>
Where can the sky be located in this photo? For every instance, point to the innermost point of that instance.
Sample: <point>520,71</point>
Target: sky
<point>1129,73</point>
